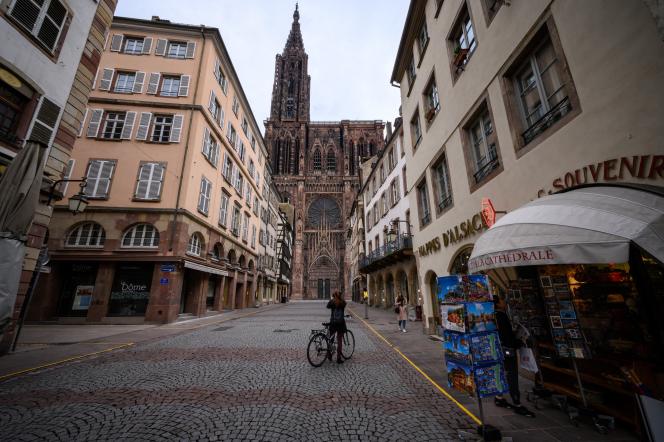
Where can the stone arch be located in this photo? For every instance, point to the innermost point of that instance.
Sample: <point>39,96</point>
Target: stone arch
<point>217,252</point>
<point>431,298</point>
<point>251,264</point>
<point>459,263</point>
<point>317,160</point>
<point>331,160</point>
<point>232,256</point>
<point>242,261</point>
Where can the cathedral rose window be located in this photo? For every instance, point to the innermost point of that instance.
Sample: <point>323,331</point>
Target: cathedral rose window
<point>324,212</point>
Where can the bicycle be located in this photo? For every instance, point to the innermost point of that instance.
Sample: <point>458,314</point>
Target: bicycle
<point>322,345</point>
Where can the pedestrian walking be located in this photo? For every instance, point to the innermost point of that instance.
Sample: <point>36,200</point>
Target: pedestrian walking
<point>337,321</point>
<point>402,313</point>
<point>509,343</point>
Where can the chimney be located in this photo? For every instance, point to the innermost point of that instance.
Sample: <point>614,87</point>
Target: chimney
<point>155,18</point>
<point>388,130</point>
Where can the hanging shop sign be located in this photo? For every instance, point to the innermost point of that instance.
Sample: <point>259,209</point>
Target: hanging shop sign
<point>645,167</point>
<point>472,226</point>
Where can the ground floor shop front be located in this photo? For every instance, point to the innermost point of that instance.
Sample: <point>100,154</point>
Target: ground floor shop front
<point>138,291</point>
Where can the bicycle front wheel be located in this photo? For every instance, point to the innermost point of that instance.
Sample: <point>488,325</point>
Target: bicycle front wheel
<point>349,345</point>
<point>317,349</point>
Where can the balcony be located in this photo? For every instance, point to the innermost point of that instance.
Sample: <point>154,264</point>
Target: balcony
<point>394,251</point>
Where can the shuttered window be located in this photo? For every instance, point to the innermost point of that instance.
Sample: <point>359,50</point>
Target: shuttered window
<point>176,49</point>
<point>253,236</point>
<point>45,122</point>
<point>204,196</point>
<point>149,183</point>
<point>141,236</point>
<point>170,86</point>
<point>113,126</point>
<point>227,168</point>
<point>210,147</point>
<point>223,210</point>
<point>177,128</point>
<point>44,19</point>
<point>133,45</point>
<point>220,76</point>
<point>161,130</point>
<point>98,178</point>
<point>124,82</point>
<point>153,83</point>
<point>245,227</point>
<point>128,127</point>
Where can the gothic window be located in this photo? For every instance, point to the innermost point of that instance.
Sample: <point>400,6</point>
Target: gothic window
<point>331,161</point>
<point>291,87</point>
<point>324,212</point>
<point>318,163</point>
<point>290,108</point>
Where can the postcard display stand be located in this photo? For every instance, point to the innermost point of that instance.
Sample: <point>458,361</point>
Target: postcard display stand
<point>473,355</point>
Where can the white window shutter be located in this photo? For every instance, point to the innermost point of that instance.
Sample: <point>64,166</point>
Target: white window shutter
<point>211,102</point>
<point>143,126</point>
<point>95,122</point>
<point>106,34</point>
<point>147,45</point>
<point>225,86</point>
<point>116,42</point>
<point>217,66</point>
<point>191,49</point>
<point>184,85</point>
<point>85,116</point>
<point>153,83</point>
<point>94,80</point>
<point>128,127</point>
<point>138,83</point>
<point>106,79</point>
<point>143,184</point>
<point>69,168</point>
<point>105,175</point>
<point>221,117</point>
<point>160,49</point>
<point>206,142</point>
<point>94,167</point>
<point>177,128</point>
<point>156,179</point>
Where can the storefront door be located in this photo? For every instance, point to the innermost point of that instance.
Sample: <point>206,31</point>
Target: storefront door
<point>211,290</point>
<point>130,292</point>
<point>79,283</point>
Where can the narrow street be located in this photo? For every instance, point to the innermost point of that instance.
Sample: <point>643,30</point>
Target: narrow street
<point>245,379</point>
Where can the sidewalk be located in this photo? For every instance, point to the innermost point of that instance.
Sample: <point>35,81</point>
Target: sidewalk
<point>550,424</point>
<point>43,346</point>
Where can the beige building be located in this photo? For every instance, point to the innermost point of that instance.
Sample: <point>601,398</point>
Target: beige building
<point>514,100</point>
<point>174,163</point>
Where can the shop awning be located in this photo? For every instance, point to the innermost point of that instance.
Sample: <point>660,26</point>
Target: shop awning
<point>583,226</point>
<point>204,268</point>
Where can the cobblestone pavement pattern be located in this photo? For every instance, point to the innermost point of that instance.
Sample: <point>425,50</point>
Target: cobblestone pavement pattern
<point>247,379</point>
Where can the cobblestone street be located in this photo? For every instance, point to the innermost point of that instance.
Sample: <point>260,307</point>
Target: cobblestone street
<point>245,379</point>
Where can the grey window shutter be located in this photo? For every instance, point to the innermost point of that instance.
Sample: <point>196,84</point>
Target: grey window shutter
<point>217,67</point>
<point>184,85</point>
<point>191,49</point>
<point>92,177</point>
<point>221,117</point>
<point>206,142</point>
<point>160,49</point>
<point>177,128</point>
<point>153,83</point>
<point>128,127</point>
<point>105,175</point>
<point>94,80</point>
<point>106,79</point>
<point>211,102</point>
<point>154,188</point>
<point>116,42</point>
<point>147,45</point>
<point>85,116</point>
<point>95,122</point>
<point>143,126</point>
<point>138,83</point>
<point>143,184</point>
<point>45,122</point>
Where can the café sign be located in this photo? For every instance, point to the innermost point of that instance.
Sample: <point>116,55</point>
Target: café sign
<point>472,226</point>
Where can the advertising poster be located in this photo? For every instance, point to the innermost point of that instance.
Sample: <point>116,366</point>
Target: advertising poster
<point>490,380</point>
<point>456,347</point>
<point>481,316</point>
<point>450,290</point>
<point>82,297</point>
<point>460,377</point>
<point>485,347</point>
<point>453,317</point>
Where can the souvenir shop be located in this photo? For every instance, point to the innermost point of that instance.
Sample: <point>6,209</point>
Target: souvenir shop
<point>582,274</point>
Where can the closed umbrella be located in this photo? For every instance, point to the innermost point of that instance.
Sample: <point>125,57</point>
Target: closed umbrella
<point>19,196</point>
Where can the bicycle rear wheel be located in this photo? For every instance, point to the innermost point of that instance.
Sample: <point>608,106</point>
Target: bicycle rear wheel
<point>349,345</point>
<point>317,349</point>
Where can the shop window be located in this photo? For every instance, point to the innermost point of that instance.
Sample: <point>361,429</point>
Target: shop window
<point>195,244</point>
<point>43,19</point>
<point>423,203</point>
<point>176,49</point>
<point>462,41</point>
<point>481,146</point>
<point>86,235</point>
<point>98,178</point>
<point>331,161</point>
<point>431,100</point>
<point>150,180</point>
<point>12,106</point>
<point>318,163</point>
<point>161,128</point>
<point>415,130</point>
<point>77,288</point>
<point>141,236</point>
<point>204,196</point>
<point>130,291</point>
<point>443,190</point>
<point>124,82</point>
<point>170,86</point>
<point>541,88</point>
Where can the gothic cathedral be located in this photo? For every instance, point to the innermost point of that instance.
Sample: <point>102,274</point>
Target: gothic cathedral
<point>315,165</point>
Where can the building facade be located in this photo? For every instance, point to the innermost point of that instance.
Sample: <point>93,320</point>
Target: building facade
<point>268,263</point>
<point>515,100</point>
<point>389,262</point>
<point>285,238</point>
<point>315,166</point>
<point>174,161</point>
<point>49,56</point>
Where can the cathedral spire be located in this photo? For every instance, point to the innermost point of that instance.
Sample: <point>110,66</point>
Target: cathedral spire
<point>295,37</point>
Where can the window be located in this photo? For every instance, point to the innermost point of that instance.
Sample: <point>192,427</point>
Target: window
<point>423,39</point>
<point>214,107</point>
<point>390,157</point>
<point>141,235</point>
<point>149,183</point>
<point>113,125</point>
<point>256,205</point>
<point>331,161</point>
<point>219,75</point>
<point>43,19</point>
<point>86,235</point>
<point>491,8</point>
<point>239,182</point>
<point>423,203</point>
<point>124,82</point>
<point>227,169</point>
<point>161,129</point>
<point>98,178</point>
<point>217,252</point>
<point>431,100</point>
<point>170,86</point>
<point>176,49</point>
<point>443,192</point>
<point>12,105</point>
<point>236,105</point>
<point>239,145</point>
<point>463,41</point>
<point>411,73</point>
<point>204,196</point>
<point>383,205</point>
<point>235,221</point>
<point>248,195</point>
<point>223,210</point>
<point>231,134</point>
<point>415,129</point>
<point>133,45</point>
<point>317,160</point>
<point>395,192</point>
<point>483,150</point>
<point>253,236</point>
<point>210,147</point>
<point>195,244</point>
<point>245,227</point>
<point>382,173</point>
<point>252,168</point>
<point>245,125</point>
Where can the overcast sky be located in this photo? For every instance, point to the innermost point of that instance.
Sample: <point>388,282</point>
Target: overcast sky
<point>351,46</point>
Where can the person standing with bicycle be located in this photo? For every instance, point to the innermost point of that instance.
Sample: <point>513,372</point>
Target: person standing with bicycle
<point>337,322</point>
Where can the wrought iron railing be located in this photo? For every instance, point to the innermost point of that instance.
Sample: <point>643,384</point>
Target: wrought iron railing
<point>547,120</point>
<point>402,242</point>
<point>444,202</point>
<point>487,164</point>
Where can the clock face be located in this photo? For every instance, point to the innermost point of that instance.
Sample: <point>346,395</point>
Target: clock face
<point>324,212</point>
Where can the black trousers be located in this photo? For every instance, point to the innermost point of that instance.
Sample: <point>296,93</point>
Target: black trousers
<point>512,372</point>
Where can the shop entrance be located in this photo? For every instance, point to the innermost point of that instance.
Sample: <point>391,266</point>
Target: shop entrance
<point>239,293</point>
<point>211,290</point>
<point>76,293</point>
<point>432,284</point>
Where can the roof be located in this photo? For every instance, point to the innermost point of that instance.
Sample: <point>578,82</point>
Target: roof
<point>413,20</point>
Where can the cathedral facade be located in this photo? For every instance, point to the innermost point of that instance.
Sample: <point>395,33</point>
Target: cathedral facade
<point>315,166</point>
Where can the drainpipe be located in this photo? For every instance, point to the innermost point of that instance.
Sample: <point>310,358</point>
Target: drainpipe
<point>186,148</point>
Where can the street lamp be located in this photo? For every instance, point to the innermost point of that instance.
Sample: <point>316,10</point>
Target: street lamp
<point>77,203</point>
